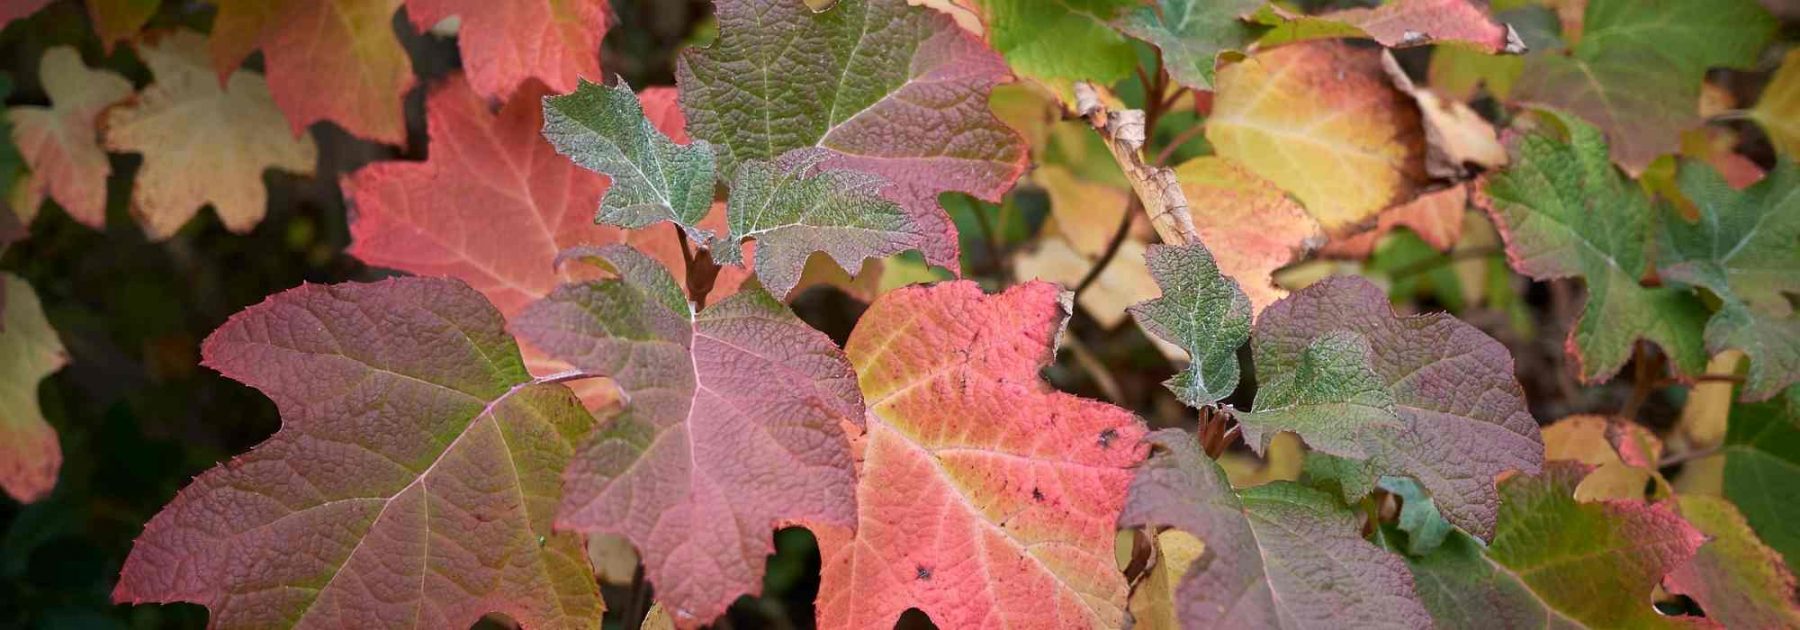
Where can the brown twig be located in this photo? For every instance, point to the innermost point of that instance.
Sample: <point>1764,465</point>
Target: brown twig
<point>1112,248</point>
<point>1644,366</point>
<point>701,271</point>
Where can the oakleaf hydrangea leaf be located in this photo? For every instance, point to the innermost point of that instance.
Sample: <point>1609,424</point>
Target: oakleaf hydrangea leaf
<point>1428,397</point>
<point>1565,212</point>
<point>984,498</point>
<point>1736,579</point>
<point>1192,34</point>
<point>1058,43</point>
<point>30,454</point>
<point>653,179</point>
<point>1251,227</point>
<point>60,143</point>
<point>1745,249</point>
<point>1279,555</point>
<point>792,208</point>
<point>336,60</point>
<point>733,425</point>
<point>1396,24</point>
<point>1201,311</point>
<point>1322,121</point>
<point>1762,470</point>
<point>887,88</point>
<point>1557,562</point>
<point>204,142</point>
<point>506,43</point>
<point>412,483</point>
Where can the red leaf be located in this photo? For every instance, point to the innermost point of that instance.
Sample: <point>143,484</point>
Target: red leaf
<point>336,60</point>
<point>508,42</point>
<point>985,499</point>
<point>59,142</point>
<point>19,10</point>
<point>410,485</point>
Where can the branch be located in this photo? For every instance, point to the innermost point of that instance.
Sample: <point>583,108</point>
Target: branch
<point>1157,190</point>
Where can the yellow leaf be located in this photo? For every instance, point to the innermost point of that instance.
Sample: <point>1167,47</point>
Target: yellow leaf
<point>1283,461</point>
<point>1778,109</point>
<point>1153,599</point>
<point>1624,456</point>
<point>1087,213</point>
<point>1248,224</point>
<point>1124,282</point>
<point>202,143</point>
<point>1321,121</point>
<point>657,619</point>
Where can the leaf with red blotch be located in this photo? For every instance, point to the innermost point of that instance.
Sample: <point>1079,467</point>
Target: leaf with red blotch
<point>1558,562</point>
<point>1436,216</point>
<point>203,142</point>
<point>19,10</point>
<point>1397,24</point>
<point>494,204</point>
<point>118,20</point>
<point>1564,211</point>
<point>985,498</point>
<point>1279,555</point>
<point>1429,397</point>
<point>734,424</point>
<point>60,142</point>
<point>412,482</point>
<point>506,43</point>
<point>1737,580</point>
<point>915,113</point>
<point>29,351</point>
<point>336,60</point>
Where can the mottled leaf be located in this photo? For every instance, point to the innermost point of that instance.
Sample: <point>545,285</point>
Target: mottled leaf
<point>984,497</point>
<point>1193,34</point>
<point>1745,249</point>
<point>30,455</point>
<point>1322,121</point>
<point>792,208</point>
<point>1251,227</point>
<point>604,130</point>
<point>732,426</point>
<point>505,43</point>
<point>1762,471</point>
<point>60,143</point>
<point>1556,562</point>
<point>888,88</point>
<point>1565,212</point>
<point>336,60</point>
<point>412,483</point>
<point>1278,556</point>
<point>204,142</point>
<point>1737,580</point>
<point>1203,312</point>
<point>1428,397</point>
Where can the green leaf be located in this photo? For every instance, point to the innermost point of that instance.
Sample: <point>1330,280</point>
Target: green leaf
<point>1061,41</point>
<point>1565,212</point>
<point>890,89</point>
<point>1428,397</point>
<point>1556,562</point>
<point>653,179</point>
<point>1425,528</point>
<point>1193,34</point>
<point>1278,555</point>
<point>1745,248</point>
<point>1691,36</point>
<point>1201,311</point>
<point>1762,470</point>
<point>792,208</point>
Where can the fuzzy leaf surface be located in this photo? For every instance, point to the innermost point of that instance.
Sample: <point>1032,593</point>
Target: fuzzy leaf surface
<point>413,480</point>
<point>506,43</point>
<point>1428,396</point>
<point>984,497</point>
<point>1565,212</point>
<point>793,208</point>
<point>30,454</point>
<point>60,142</point>
<point>888,88</point>
<point>203,142</point>
<point>604,130</point>
<point>1745,249</point>
<point>733,425</point>
<point>1557,562</point>
<point>1201,311</point>
<point>1279,555</point>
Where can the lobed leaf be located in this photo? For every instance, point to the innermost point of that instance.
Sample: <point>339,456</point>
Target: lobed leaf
<point>30,454</point>
<point>1778,108</point>
<point>336,60</point>
<point>412,482</point>
<point>732,426</point>
<point>886,88</point>
<point>204,142</point>
<point>507,43</point>
<point>1565,212</point>
<point>1251,227</point>
<point>1428,397</point>
<point>604,130</point>
<point>1201,311</point>
<point>60,142</point>
<point>1277,556</point>
<point>984,497</point>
